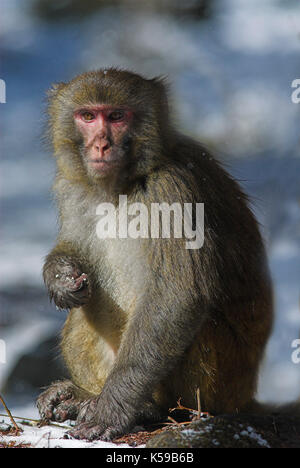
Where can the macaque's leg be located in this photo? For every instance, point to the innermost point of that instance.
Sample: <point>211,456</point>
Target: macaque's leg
<point>89,360</point>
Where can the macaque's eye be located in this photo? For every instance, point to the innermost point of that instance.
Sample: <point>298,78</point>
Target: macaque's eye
<point>87,116</point>
<point>114,116</point>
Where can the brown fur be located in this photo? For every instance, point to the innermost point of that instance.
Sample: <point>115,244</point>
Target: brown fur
<point>155,321</point>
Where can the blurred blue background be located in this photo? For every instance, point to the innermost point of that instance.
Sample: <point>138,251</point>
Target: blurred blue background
<point>230,64</point>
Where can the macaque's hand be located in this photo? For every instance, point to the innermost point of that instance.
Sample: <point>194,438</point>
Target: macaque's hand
<point>68,286</point>
<point>99,419</point>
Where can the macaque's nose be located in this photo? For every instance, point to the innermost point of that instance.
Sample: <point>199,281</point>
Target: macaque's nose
<point>101,145</point>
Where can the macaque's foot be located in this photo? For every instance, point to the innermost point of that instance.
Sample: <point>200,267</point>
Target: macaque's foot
<point>68,286</point>
<point>59,402</point>
<point>103,422</point>
<point>89,431</point>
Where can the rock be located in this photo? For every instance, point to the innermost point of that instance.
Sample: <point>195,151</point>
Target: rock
<point>233,431</point>
<point>37,368</point>
<point>30,328</point>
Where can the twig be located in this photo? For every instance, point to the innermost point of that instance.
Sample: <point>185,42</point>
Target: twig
<point>37,421</point>
<point>47,434</point>
<point>198,414</point>
<point>274,425</point>
<point>198,403</point>
<point>22,418</point>
<point>179,424</point>
<point>180,407</point>
<point>173,421</point>
<point>17,428</point>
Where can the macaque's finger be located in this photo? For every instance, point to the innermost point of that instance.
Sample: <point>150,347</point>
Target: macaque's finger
<point>86,431</point>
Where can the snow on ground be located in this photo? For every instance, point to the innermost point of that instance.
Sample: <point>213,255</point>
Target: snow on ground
<point>47,436</point>
<point>52,437</point>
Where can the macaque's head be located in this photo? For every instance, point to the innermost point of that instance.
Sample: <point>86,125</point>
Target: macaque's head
<point>108,124</point>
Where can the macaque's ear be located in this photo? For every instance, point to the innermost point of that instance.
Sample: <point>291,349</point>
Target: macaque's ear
<point>162,86</point>
<point>55,88</point>
<point>161,93</point>
<point>160,81</point>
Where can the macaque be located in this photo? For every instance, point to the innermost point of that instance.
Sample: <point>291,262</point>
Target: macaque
<point>150,321</point>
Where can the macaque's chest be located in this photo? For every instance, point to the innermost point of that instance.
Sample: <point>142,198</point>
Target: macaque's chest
<point>118,264</point>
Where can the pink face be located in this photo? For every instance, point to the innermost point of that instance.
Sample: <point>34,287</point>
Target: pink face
<point>104,129</point>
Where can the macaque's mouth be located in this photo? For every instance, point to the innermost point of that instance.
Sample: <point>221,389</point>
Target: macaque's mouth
<point>103,165</point>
